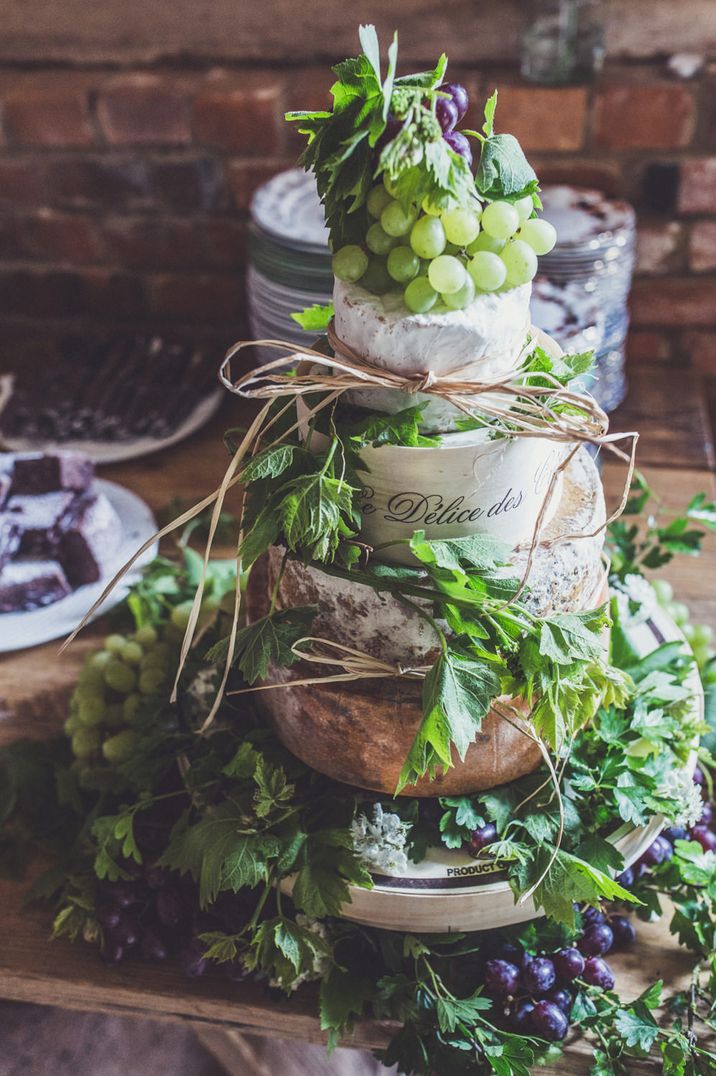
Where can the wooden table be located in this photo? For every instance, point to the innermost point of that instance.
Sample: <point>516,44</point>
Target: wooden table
<point>676,453</point>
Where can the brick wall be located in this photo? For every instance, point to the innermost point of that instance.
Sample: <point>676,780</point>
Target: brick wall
<point>124,193</point>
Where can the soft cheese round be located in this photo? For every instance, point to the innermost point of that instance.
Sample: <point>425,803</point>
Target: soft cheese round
<point>482,341</point>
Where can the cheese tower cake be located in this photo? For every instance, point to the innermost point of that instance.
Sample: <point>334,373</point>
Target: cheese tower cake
<point>446,527</point>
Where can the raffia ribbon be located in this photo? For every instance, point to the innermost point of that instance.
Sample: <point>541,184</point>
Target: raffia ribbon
<point>515,409</point>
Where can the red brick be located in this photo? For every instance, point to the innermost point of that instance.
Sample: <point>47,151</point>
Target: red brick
<point>61,237</point>
<point>141,108</point>
<point>658,247</point>
<point>98,181</point>
<point>21,182</point>
<point>241,113</point>
<point>154,243</point>
<point>702,245</point>
<point>646,346</point>
<point>246,176</point>
<point>674,301</point>
<point>697,187</point>
<point>701,349</point>
<point>639,116</point>
<point>307,88</point>
<point>60,293</point>
<point>192,297</point>
<point>225,243</point>
<point>543,118</point>
<point>187,184</point>
<point>600,175</point>
<point>51,110</point>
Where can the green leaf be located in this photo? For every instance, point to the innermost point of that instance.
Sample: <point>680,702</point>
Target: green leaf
<point>452,1011</point>
<point>313,513</point>
<point>504,171</point>
<point>488,126</point>
<point>270,463</point>
<point>570,880</point>
<point>638,1029</point>
<point>566,637</point>
<point>401,428</point>
<point>266,640</point>
<point>343,996</point>
<point>315,318</point>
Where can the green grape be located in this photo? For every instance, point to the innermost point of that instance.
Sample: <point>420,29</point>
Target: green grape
<point>146,636</point>
<point>130,706</point>
<point>452,248</point>
<point>488,271</point>
<point>702,635</point>
<point>521,263</point>
<point>132,653</point>
<point>91,710</point>
<point>539,234</point>
<point>679,613</point>
<point>120,677</point>
<point>427,237</point>
<point>446,274</point>
<point>113,643</point>
<point>180,614</point>
<point>420,296</point>
<point>349,263</point>
<point>462,226</point>
<point>403,264</point>
<point>458,300</point>
<point>377,200</point>
<point>72,724</point>
<point>500,219</point>
<point>120,747</point>
<point>525,208</point>
<point>92,675</point>
<point>389,186</point>
<point>114,715</point>
<point>378,241</point>
<point>376,277</point>
<point>430,209</point>
<point>486,242</point>
<point>85,742</point>
<point>150,680</point>
<point>663,590</point>
<point>396,220</point>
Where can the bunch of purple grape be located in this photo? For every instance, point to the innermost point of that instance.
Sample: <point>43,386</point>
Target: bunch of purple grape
<point>536,992</point>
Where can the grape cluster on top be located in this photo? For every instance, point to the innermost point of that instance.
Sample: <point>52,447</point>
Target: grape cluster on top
<point>445,255</point>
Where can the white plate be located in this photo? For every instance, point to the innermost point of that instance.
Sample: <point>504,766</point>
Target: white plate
<point>117,451</point>
<point>444,893</point>
<point>288,208</point>
<point>21,630</point>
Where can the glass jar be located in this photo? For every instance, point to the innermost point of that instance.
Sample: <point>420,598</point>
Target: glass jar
<point>563,40</point>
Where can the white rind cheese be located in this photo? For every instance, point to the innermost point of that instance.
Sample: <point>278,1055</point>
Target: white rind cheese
<point>482,341</point>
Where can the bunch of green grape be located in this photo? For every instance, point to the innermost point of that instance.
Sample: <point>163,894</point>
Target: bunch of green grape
<point>699,636</point>
<point>444,256</point>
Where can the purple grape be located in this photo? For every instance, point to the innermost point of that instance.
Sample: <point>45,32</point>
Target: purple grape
<point>597,940</point>
<point>152,947</point>
<point>122,893</point>
<point>705,837</point>
<point>640,869</point>
<point>592,915</point>
<point>626,878</point>
<point>446,113</point>
<point>392,127</point>
<point>698,776</point>
<point>108,915</point>
<point>675,833</point>
<point>501,978</point>
<point>125,933</point>
<point>562,998</point>
<point>111,951</point>
<point>170,910</point>
<point>538,975</point>
<point>459,96</point>
<point>512,952</point>
<point>520,1016</point>
<point>569,964</point>
<point>459,144</point>
<point>623,930</point>
<point>655,853</point>
<point>192,960</point>
<point>667,848</point>
<point>480,838</point>
<point>708,815</point>
<point>156,877</point>
<point>549,1022</point>
<point>598,973</point>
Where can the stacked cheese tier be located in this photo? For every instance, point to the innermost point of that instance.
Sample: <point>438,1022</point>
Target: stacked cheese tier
<point>472,482</point>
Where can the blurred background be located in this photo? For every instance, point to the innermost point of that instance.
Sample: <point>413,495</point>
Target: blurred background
<point>133,136</point>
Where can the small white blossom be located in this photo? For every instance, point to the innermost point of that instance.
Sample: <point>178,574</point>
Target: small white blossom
<point>321,963</point>
<point>679,787</point>
<point>635,590</point>
<point>380,842</point>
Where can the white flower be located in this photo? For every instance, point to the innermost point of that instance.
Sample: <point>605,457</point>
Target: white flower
<point>321,963</point>
<point>380,842</point>
<point>635,590</point>
<point>679,787</point>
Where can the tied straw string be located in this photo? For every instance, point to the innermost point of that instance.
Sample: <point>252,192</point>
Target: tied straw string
<point>548,411</point>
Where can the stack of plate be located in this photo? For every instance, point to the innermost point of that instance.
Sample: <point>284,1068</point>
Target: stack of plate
<point>571,316</point>
<point>595,251</point>
<point>289,260</point>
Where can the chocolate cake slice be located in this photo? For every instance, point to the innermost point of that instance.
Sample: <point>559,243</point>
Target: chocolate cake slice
<point>37,472</point>
<point>9,539</point>
<point>90,534</point>
<point>38,520</point>
<point>31,584</point>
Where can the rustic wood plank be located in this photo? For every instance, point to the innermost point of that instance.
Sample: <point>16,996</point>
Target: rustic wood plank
<point>669,409</point>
